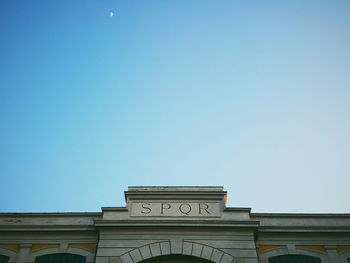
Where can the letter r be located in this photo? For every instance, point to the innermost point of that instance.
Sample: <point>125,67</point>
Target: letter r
<point>205,207</point>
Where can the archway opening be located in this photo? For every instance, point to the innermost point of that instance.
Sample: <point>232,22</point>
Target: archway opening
<point>4,259</point>
<point>294,259</point>
<point>60,258</point>
<point>176,259</point>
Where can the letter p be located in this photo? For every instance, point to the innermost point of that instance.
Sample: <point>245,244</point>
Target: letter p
<point>164,207</point>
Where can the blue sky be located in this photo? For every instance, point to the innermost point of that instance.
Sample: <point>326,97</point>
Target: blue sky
<point>250,95</point>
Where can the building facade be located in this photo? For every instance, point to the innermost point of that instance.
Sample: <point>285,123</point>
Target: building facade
<point>174,224</point>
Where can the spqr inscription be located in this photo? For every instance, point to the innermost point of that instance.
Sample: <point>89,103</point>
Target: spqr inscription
<point>175,209</point>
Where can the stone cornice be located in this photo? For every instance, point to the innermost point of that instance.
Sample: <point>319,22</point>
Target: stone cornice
<point>237,209</point>
<point>175,193</point>
<point>176,188</point>
<point>304,229</point>
<point>115,209</point>
<point>47,228</point>
<point>176,223</point>
<point>308,215</point>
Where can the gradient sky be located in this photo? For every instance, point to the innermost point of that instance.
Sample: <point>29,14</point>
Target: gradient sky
<point>250,95</point>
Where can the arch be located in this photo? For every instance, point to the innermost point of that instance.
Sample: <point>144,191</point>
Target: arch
<point>55,250</point>
<point>176,247</point>
<point>8,253</point>
<point>285,251</point>
<point>60,258</point>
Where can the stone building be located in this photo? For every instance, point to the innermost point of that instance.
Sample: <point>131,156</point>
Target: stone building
<point>174,224</point>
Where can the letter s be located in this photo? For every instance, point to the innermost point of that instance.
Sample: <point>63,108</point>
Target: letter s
<point>146,208</point>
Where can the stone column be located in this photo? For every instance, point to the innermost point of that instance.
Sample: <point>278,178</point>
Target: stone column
<point>332,254</point>
<point>23,253</point>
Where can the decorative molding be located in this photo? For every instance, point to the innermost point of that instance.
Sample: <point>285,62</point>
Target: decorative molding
<point>343,249</point>
<point>89,247</point>
<point>302,229</point>
<point>263,249</point>
<point>41,228</point>
<point>36,247</point>
<point>12,247</point>
<point>176,223</point>
<point>320,249</point>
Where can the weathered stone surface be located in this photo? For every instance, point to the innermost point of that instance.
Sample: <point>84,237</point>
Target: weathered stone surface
<point>114,260</point>
<point>165,248</point>
<point>207,251</point>
<point>187,248</point>
<point>126,258</point>
<point>226,258</point>
<point>197,250</point>
<point>131,243</point>
<point>146,252</point>
<point>136,255</point>
<point>217,255</point>
<point>102,260</point>
<point>239,252</point>
<point>112,251</point>
<point>176,246</point>
<point>155,249</point>
<point>222,244</point>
